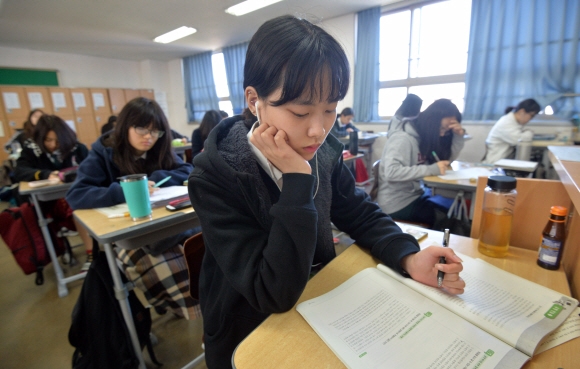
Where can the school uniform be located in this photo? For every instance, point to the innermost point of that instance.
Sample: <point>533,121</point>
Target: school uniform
<point>340,130</point>
<point>503,138</point>
<point>264,232</point>
<point>196,142</point>
<point>34,164</point>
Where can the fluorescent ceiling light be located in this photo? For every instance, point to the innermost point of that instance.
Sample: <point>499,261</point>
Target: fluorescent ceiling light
<point>176,34</point>
<point>249,6</point>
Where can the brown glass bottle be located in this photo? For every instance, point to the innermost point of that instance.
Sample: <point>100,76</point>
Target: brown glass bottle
<point>553,237</point>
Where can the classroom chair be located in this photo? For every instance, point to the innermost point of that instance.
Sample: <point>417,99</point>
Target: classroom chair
<point>375,191</point>
<point>531,212</point>
<point>193,249</point>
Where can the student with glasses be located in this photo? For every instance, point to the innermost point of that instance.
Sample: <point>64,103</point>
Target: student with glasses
<point>140,143</point>
<point>509,129</point>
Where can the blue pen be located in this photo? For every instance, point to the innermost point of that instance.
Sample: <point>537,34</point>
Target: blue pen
<point>162,181</point>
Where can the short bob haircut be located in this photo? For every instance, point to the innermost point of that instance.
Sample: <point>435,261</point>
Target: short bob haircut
<point>296,56</point>
<point>142,112</point>
<point>67,138</point>
<point>529,106</point>
<point>428,124</point>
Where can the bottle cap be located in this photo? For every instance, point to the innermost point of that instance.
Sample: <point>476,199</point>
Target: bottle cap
<point>504,183</point>
<point>559,211</point>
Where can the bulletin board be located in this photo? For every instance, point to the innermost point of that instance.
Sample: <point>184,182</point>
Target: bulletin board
<point>30,77</point>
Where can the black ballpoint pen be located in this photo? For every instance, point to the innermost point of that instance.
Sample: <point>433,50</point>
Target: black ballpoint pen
<point>441,274</point>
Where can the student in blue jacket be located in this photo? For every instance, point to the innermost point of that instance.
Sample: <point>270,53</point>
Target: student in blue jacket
<point>270,182</point>
<point>140,143</point>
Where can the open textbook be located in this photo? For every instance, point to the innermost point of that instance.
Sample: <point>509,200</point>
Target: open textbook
<point>379,319</point>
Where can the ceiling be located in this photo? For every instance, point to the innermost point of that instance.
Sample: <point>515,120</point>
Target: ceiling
<point>124,29</point>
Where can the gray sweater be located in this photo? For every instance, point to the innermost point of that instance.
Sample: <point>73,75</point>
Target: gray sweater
<point>402,168</point>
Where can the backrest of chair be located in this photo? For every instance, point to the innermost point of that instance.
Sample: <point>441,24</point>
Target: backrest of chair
<point>375,189</point>
<point>531,212</point>
<point>194,249</point>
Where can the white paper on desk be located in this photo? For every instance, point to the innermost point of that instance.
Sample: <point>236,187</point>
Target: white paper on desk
<point>466,173</point>
<point>516,164</point>
<point>114,210</point>
<point>569,330</point>
<point>164,194</point>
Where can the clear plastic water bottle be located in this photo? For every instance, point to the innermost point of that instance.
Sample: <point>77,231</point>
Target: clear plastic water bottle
<point>496,221</point>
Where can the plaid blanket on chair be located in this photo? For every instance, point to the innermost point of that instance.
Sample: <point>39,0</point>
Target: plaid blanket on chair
<point>163,279</point>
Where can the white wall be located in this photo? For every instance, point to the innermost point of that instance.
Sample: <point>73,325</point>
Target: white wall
<point>87,71</point>
<point>343,30</point>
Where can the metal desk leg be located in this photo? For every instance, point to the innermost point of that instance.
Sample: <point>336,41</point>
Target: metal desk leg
<point>61,281</point>
<point>121,294</point>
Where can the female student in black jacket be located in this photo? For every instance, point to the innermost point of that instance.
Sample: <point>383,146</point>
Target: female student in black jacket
<point>270,182</point>
<point>54,147</point>
<point>140,143</point>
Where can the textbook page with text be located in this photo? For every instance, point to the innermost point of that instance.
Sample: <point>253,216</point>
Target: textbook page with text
<point>378,318</point>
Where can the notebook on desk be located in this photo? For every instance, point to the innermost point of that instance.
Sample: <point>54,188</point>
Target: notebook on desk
<point>520,165</point>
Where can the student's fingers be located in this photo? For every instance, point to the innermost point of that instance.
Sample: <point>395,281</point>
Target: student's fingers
<point>443,164</point>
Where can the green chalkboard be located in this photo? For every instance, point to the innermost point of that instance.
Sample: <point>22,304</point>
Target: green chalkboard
<point>30,77</point>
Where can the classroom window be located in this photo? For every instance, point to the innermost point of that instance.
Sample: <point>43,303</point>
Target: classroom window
<point>221,83</point>
<point>423,50</point>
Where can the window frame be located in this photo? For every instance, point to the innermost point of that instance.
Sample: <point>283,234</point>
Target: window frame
<point>415,81</point>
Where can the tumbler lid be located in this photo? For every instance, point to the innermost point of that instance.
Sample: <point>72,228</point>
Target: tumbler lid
<point>132,177</point>
<point>503,183</point>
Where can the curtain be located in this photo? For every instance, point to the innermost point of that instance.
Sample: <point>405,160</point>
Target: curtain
<point>521,49</point>
<point>366,69</point>
<point>235,58</point>
<point>200,93</point>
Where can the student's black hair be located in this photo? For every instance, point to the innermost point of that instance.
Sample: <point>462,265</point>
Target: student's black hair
<point>210,119</point>
<point>529,105</point>
<point>109,125</point>
<point>346,112</point>
<point>428,124</point>
<point>223,114</point>
<point>142,112</point>
<point>67,138</point>
<point>410,107</point>
<point>297,56</point>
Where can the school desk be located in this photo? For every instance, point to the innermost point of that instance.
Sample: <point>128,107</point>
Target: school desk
<point>180,150</point>
<point>287,341</point>
<point>48,193</point>
<point>131,235</point>
<point>450,188</point>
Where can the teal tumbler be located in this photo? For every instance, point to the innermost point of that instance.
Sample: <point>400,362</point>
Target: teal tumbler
<point>136,191</point>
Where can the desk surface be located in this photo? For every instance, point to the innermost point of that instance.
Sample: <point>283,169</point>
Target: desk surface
<point>181,149</point>
<point>569,171</point>
<point>25,189</point>
<point>107,230</point>
<point>287,341</point>
<point>456,184</point>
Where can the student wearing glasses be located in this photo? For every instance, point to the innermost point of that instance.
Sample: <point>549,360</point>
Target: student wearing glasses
<point>509,129</point>
<point>140,143</point>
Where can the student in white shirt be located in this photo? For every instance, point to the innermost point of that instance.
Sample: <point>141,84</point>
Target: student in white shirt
<point>509,129</point>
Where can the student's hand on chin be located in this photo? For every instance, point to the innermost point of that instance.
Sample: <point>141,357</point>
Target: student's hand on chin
<point>273,144</point>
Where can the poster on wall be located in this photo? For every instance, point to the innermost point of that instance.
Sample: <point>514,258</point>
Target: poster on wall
<point>98,100</point>
<point>11,100</point>
<point>161,98</point>
<point>36,101</point>
<point>79,100</point>
<point>58,100</point>
<point>71,124</point>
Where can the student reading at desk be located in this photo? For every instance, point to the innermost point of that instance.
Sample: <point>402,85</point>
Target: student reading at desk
<point>509,129</point>
<point>343,125</point>
<point>422,147</point>
<point>140,143</point>
<point>18,139</point>
<point>270,182</point>
<point>54,147</point>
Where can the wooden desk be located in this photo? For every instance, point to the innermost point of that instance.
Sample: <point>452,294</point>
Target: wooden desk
<point>49,193</point>
<point>287,341</point>
<point>351,158</point>
<point>131,235</point>
<point>566,162</point>
<point>450,188</point>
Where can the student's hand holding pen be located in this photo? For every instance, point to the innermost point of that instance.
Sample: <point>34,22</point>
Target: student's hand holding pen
<point>442,164</point>
<point>151,187</point>
<point>424,266</point>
